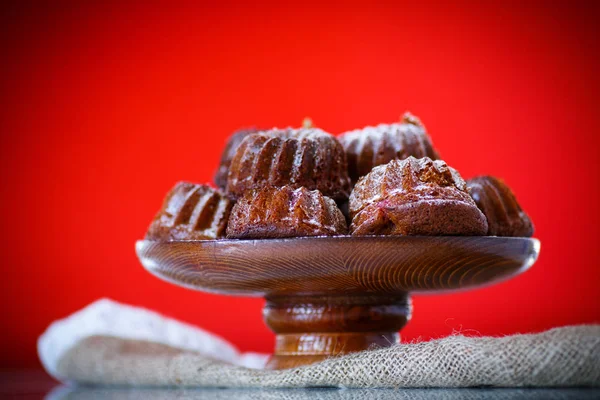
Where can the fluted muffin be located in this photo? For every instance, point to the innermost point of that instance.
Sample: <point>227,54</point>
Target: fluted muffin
<point>376,145</point>
<point>499,205</point>
<point>304,157</point>
<point>273,212</point>
<point>230,147</point>
<point>414,197</point>
<point>191,212</point>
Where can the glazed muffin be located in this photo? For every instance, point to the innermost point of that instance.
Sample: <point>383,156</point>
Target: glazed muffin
<point>230,147</point>
<point>414,197</point>
<point>499,205</point>
<point>376,145</point>
<point>282,212</point>
<point>191,212</point>
<point>304,157</point>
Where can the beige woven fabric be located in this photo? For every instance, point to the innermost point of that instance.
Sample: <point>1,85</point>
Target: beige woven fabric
<point>117,393</point>
<point>568,356</point>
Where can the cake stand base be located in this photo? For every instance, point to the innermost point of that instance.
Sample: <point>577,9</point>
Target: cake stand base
<point>313,328</point>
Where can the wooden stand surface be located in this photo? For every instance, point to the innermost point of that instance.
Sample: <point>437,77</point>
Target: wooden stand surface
<point>328,296</point>
<point>312,328</point>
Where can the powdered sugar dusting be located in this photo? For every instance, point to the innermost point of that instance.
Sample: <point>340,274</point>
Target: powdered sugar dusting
<point>384,135</point>
<point>191,212</point>
<point>285,212</point>
<point>423,177</point>
<point>377,145</point>
<point>315,163</point>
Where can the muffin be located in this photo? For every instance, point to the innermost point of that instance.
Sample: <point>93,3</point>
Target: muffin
<point>191,212</point>
<point>230,147</point>
<point>286,211</point>
<point>414,197</point>
<point>297,158</point>
<point>376,145</point>
<point>499,205</point>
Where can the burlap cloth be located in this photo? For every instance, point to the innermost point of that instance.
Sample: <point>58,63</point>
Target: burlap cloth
<point>151,350</point>
<point>117,393</point>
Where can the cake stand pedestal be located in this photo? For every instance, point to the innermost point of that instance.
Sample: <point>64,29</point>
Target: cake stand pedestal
<point>328,296</point>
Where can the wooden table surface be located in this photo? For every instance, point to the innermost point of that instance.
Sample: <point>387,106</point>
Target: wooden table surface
<point>36,384</point>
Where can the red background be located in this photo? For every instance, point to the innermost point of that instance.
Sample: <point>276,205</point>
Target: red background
<point>105,107</point>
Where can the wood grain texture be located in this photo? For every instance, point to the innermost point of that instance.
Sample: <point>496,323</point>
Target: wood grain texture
<point>338,265</point>
<point>312,328</point>
<point>328,296</point>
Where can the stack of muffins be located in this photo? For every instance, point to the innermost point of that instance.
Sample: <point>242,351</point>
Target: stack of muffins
<point>382,180</point>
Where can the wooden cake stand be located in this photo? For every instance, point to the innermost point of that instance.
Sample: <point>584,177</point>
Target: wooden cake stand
<point>328,296</point>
